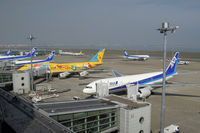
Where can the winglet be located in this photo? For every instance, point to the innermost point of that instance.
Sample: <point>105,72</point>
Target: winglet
<point>99,56</point>
<point>171,69</point>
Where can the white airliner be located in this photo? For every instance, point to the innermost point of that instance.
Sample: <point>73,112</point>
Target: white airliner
<point>144,81</point>
<point>135,57</point>
<point>48,59</point>
<point>7,54</point>
<point>183,62</point>
<point>71,53</point>
<point>13,57</point>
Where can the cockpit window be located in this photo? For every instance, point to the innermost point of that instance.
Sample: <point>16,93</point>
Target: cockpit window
<point>89,87</point>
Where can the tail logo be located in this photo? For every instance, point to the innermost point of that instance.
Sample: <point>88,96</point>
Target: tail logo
<point>99,57</point>
<point>51,55</point>
<point>125,52</point>
<point>173,62</point>
<point>9,51</point>
<point>33,50</point>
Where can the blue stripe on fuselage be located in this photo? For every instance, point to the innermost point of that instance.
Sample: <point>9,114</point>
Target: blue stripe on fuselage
<point>34,62</point>
<point>12,58</point>
<point>144,81</point>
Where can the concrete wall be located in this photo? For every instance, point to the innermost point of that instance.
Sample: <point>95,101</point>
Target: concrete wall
<point>21,82</point>
<point>102,89</point>
<point>130,120</point>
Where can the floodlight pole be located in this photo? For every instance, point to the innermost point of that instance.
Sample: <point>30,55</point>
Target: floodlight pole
<point>31,72</point>
<point>164,29</point>
<point>164,85</point>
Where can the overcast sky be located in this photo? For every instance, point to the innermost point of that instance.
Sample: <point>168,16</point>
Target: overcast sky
<point>115,24</point>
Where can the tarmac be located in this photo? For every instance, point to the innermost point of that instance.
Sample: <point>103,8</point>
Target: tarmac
<point>182,101</point>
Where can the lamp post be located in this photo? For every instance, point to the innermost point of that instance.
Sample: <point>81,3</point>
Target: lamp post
<point>31,72</point>
<point>164,29</point>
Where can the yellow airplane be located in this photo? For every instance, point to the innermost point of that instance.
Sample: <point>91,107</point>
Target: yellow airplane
<point>66,69</point>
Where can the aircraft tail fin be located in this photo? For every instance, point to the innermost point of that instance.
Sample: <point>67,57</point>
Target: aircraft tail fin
<point>171,69</point>
<point>99,56</point>
<point>125,53</point>
<point>33,52</point>
<point>8,53</point>
<point>51,56</point>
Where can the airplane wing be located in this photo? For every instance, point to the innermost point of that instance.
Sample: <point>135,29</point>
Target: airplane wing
<point>116,74</point>
<point>144,91</point>
<point>170,84</point>
<point>25,61</point>
<point>183,84</point>
<point>77,72</point>
<point>97,71</point>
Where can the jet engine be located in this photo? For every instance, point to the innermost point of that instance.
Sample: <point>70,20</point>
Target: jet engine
<point>144,92</point>
<point>63,75</point>
<point>83,73</point>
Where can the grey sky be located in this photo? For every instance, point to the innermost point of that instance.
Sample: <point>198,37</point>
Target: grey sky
<point>101,23</point>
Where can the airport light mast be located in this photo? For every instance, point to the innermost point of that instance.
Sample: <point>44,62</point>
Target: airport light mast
<point>164,29</point>
<point>31,72</point>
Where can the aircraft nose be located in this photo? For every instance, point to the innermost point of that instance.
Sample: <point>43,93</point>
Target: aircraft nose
<point>84,90</point>
<point>87,91</point>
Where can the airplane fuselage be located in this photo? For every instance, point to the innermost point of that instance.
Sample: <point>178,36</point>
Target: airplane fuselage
<point>62,67</point>
<point>137,57</point>
<point>28,62</point>
<point>13,57</point>
<point>70,53</point>
<point>119,83</point>
<point>81,66</point>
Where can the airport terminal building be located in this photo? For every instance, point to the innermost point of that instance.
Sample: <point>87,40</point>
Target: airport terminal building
<point>108,114</point>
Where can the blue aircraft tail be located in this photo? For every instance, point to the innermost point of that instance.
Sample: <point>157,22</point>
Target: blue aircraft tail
<point>99,56</point>
<point>8,53</point>
<point>171,69</point>
<point>33,52</point>
<point>51,56</point>
<point>125,53</point>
